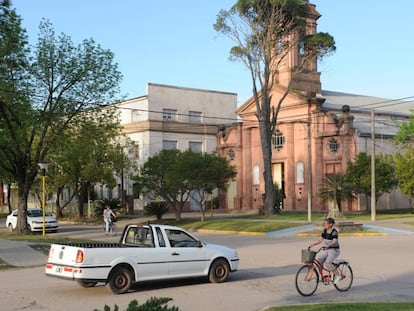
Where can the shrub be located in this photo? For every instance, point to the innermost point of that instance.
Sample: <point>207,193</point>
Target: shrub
<point>152,304</point>
<point>157,209</point>
<point>115,205</point>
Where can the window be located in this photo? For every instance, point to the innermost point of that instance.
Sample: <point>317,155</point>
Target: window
<point>139,236</point>
<point>256,175</point>
<point>161,241</point>
<point>135,115</point>
<point>231,155</point>
<point>169,144</point>
<point>134,151</point>
<point>278,140</point>
<point>195,116</point>
<point>299,173</point>
<point>333,145</point>
<point>169,114</point>
<point>195,146</point>
<point>279,46</point>
<point>301,48</point>
<point>178,238</point>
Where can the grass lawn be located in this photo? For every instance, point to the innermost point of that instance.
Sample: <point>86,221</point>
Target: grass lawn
<point>231,224</point>
<point>377,306</point>
<point>303,216</point>
<point>6,235</point>
<point>409,223</point>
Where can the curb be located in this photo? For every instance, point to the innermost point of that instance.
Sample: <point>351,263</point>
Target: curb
<point>344,234</point>
<point>230,232</point>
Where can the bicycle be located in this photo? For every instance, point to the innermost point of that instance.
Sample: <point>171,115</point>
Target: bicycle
<point>112,227</point>
<point>312,272</point>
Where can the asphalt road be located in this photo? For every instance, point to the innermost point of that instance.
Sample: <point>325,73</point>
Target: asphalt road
<point>383,269</point>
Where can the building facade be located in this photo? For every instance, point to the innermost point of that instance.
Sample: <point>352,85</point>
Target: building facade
<point>170,117</point>
<point>318,132</point>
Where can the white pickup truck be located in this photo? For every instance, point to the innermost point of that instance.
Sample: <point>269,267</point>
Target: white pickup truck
<point>144,253</point>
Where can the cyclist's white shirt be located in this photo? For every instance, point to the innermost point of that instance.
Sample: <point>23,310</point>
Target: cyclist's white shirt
<point>107,214</point>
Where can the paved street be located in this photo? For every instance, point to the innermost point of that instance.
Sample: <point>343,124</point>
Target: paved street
<point>382,266</point>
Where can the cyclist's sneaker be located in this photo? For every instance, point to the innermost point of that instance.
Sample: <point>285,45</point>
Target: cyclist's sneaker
<point>337,278</point>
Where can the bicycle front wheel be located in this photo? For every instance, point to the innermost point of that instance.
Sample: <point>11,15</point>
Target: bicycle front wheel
<point>307,280</point>
<point>347,275</point>
<point>113,229</point>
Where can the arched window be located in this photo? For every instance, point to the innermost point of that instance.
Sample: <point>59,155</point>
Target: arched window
<point>278,140</point>
<point>300,173</point>
<point>256,175</point>
<point>333,145</point>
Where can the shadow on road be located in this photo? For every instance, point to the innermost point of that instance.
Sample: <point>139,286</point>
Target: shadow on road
<point>395,289</point>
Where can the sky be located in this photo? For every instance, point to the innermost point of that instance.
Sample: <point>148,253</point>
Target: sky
<point>173,42</point>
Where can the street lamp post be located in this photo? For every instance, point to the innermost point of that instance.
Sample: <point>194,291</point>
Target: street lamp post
<point>43,166</point>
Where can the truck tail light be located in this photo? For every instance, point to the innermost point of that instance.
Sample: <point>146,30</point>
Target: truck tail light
<point>79,256</point>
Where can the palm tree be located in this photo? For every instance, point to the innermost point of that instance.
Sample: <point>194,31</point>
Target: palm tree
<point>334,190</point>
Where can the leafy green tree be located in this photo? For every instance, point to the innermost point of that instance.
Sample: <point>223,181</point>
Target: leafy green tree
<point>335,188</point>
<point>205,173</point>
<point>264,34</point>
<point>161,177</point>
<point>42,91</point>
<point>91,151</point>
<point>406,132</point>
<point>404,163</point>
<point>404,171</point>
<point>358,174</point>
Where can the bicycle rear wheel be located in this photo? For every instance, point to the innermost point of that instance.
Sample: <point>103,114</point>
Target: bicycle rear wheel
<point>307,279</point>
<point>347,277</point>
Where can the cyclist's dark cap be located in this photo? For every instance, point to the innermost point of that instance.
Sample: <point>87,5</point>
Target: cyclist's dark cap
<point>330,220</point>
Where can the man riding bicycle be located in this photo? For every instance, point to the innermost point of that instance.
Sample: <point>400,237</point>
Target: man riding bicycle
<point>107,215</point>
<point>331,251</point>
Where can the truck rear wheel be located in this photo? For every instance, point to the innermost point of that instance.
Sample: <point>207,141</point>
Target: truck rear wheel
<point>87,284</point>
<point>120,281</point>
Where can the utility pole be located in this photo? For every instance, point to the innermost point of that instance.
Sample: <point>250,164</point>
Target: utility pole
<point>373,190</point>
<point>309,168</point>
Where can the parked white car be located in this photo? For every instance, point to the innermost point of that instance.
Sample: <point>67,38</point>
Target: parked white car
<point>144,253</point>
<point>34,220</point>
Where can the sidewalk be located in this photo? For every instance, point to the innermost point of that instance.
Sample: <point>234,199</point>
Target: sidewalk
<point>20,254</point>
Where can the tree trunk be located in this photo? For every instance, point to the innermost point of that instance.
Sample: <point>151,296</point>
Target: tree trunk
<point>59,209</point>
<point>266,142</point>
<point>8,197</point>
<point>333,211</point>
<point>23,190</point>
<point>202,211</point>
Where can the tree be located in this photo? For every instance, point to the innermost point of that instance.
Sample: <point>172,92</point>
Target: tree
<point>161,177</point>
<point>265,31</point>
<point>404,171</point>
<point>90,152</point>
<point>43,90</point>
<point>404,163</point>
<point>358,174</point>
<point>405,133</point>
<point>336,189</point>
<point>205,173</point>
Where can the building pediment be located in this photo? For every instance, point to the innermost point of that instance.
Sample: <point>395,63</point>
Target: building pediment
<point>293,98</point>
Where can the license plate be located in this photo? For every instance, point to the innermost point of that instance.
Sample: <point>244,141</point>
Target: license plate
<point>58,270</point>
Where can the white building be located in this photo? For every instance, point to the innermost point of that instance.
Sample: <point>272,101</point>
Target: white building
<point>169,117</point>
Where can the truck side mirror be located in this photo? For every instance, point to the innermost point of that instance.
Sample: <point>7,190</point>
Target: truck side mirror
<point>199,244</point>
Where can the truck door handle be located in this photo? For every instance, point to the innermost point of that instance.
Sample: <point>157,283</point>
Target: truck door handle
<point>175,254</point>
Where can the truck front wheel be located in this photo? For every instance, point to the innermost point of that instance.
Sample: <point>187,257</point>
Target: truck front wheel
<point>120,280</point>
<point>219,271</point>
